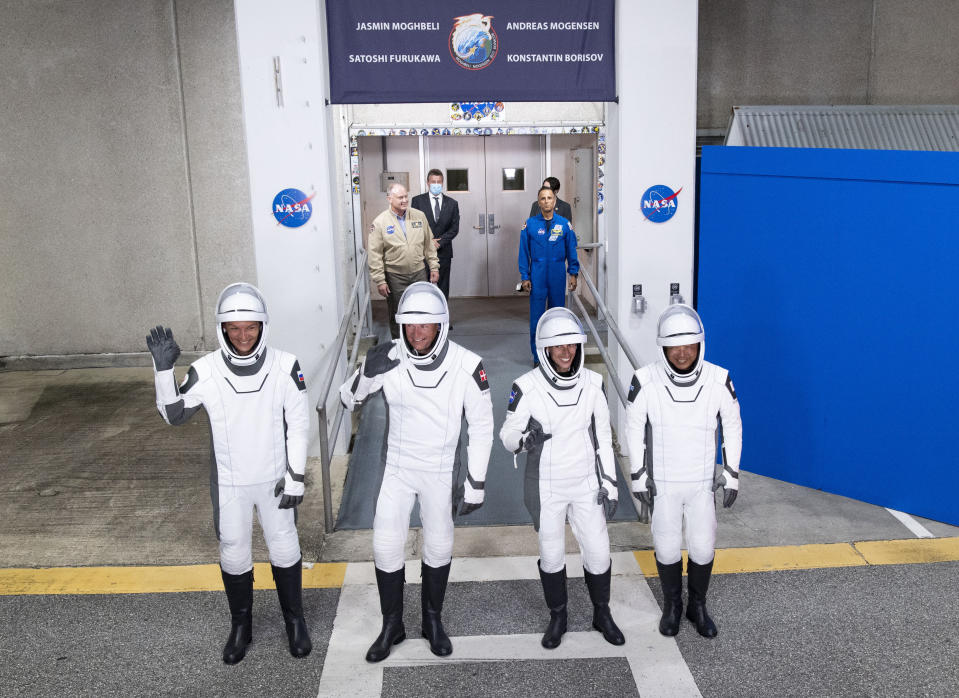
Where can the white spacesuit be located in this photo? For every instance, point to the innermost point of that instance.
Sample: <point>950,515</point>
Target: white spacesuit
<point>558,414</point>
<point>259,416</point>
<point>672,418</point>
<point>427,391</point>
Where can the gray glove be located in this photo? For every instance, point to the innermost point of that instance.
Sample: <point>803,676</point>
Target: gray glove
<point>729,496</point>
<point>468,508</point>
<point>460,506</point>
<point>287,501</point>
<point>534,437</point>
<point>164,348</point>
<point>378,360</point>
<point>729,493</point>
<point>646,500</point>
<point>609,505</point>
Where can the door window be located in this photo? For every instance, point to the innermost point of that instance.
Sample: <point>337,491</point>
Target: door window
<point>457,180</point>
<point>514,179</point>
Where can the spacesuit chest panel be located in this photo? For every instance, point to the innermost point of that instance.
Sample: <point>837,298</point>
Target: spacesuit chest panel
<point>683,421</point>
<point>246,418</point>
<point>567,415</point>
<point>425,412</point>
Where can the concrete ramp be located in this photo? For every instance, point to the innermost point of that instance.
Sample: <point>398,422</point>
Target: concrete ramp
<point>497,329</point>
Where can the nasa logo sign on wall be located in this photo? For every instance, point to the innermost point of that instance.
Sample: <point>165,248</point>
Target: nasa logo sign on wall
<point>292,208</point>
<point>660,203</point>
<point>473,41</point>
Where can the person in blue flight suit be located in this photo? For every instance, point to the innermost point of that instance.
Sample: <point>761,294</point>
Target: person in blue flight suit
<point>547,252</point>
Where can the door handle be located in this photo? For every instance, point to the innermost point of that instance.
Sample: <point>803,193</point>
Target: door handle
<point>482,224</point>
<point>493,228</point>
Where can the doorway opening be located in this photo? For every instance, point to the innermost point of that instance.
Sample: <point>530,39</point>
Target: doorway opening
<point>494,178</point>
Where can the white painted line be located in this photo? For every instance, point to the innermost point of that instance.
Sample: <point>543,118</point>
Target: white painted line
<point>917,528</point>
<point>491,569</point>
<point>656,663</point>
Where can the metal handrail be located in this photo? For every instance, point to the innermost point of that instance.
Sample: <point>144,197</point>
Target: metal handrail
<point>326,457</point>
<point>601,306</point>
<point>611,324</point>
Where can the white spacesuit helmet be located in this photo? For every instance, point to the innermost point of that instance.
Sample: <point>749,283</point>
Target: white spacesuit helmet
<point>559,326</point>
<point>679,325</point>
<point>241,302</point>
<point>423,303</point>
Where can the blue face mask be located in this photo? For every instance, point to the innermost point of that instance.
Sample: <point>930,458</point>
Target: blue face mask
<point>436,188</point>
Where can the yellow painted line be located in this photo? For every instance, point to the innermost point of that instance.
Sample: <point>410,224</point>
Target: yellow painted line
<point>150,580</point>
<point>898,552</point>
<point>818,556</point>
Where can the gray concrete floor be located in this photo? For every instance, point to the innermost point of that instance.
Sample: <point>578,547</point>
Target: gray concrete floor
<point>90,475</point>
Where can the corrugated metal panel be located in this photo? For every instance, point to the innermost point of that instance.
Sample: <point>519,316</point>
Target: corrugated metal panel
<point>864,127</point>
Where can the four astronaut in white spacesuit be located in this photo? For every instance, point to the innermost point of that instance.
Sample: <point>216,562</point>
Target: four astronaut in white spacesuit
<point>676,408</point>
<point>558,415</point>
<point>429,383</point>
<point>255,398</point>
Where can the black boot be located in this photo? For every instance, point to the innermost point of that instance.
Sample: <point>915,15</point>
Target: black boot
<point>671,579</point>
<point>554,589</point>
<point>698,582</point>
<point>598,586</point>
<point>289,589</point>
<point>434,590</point>
<point>239,594</point>
<point>390,586</point>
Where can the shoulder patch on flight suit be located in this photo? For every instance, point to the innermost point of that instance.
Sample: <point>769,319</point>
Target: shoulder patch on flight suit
<point>297,375</point>
<point>479,375</point>
<point>189,381</point>
<point>634,388</point>
<point>515,394</point>
<point>729,386</point>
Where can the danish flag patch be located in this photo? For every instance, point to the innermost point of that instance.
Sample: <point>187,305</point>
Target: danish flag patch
<point>479,375</point>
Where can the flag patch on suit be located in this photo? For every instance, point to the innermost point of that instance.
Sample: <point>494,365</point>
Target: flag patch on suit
<point>515,394</point>
<point>297,375</point>
<point>479,375</point>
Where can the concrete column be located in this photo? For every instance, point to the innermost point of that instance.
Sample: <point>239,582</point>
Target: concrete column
<point>652,141</point>
<point>288,147</point>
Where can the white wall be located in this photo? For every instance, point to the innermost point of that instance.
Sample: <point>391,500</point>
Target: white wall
<point>652,134</point>
<point>287,147</point>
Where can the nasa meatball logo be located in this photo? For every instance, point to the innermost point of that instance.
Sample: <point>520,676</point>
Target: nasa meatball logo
<point>659,203</point>
<point>292,208</point>
<point>473,41</point>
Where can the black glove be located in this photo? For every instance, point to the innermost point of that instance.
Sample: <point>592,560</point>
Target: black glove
<point>646,500</point>
<point>729,496</point>
<point>287,501</point>
<point>378,360</point>
<point>467,508</point>
<point>609,505</point>
<point>534,437</point>
<point>164,348</point>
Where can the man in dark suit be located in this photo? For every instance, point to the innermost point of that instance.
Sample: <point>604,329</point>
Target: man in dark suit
<point>443,214</point>
<point>562,207</point>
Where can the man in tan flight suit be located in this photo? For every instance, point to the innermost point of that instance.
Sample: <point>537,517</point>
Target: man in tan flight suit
<point>400,242</point>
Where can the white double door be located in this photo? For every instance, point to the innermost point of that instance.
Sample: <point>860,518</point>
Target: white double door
<point>493,205</point>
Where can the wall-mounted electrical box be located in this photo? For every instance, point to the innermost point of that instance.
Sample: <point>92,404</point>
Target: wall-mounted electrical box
<point>388,178</point>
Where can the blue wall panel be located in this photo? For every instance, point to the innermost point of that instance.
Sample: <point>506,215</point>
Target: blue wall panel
<point>828,285</point>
